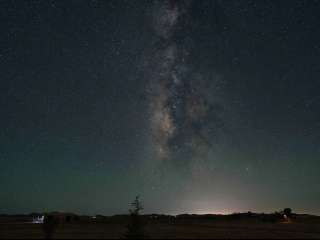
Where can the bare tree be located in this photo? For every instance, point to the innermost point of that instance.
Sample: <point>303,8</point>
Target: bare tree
<point>135,228</point>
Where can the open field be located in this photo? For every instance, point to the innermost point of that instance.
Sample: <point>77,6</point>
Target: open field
<point>184,229</point>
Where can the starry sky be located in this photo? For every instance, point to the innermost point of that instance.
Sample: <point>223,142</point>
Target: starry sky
<point>196,106</point>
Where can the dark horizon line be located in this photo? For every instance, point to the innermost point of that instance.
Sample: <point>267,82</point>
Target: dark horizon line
<point>163,214</point>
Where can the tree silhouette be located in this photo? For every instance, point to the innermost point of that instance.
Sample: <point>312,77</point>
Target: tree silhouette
<point>135,228</point>
<point>287,212</point>
<point>49,226</point>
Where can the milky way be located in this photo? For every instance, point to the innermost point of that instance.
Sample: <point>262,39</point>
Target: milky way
<point>184,106</point>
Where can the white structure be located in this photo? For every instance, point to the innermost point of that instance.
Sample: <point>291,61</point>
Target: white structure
<point>38,219</point>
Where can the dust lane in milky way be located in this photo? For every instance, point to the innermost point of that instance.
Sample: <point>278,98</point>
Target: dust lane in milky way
<point>184,106</point>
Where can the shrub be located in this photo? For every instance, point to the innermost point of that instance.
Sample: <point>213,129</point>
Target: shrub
<point>49,226</point>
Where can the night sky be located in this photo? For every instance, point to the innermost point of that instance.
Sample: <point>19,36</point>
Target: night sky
<point>196,106</point>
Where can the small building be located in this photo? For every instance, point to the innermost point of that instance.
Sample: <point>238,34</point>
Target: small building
<point>38,219</point>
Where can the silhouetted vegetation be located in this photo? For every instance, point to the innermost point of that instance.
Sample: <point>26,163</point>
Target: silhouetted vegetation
<point>287,212</point>
<point>271,218</point>
<point>135,228</point>
<point>49,226</point>
<point>251,224</point>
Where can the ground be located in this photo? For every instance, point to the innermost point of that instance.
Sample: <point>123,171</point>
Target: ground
<point>156,230</point>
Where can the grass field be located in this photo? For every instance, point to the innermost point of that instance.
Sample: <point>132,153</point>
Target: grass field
<point>201,229</point>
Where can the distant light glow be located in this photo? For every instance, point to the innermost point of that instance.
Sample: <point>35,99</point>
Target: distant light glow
<point>210,211</point>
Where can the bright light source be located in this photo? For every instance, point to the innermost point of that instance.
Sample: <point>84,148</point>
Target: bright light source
<point>38,220</point>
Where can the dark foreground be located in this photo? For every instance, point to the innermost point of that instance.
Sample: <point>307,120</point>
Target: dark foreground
<point>235,229</point>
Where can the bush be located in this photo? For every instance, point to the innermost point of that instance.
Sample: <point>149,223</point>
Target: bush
<point>287,212</point>
<point>49,226</point>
